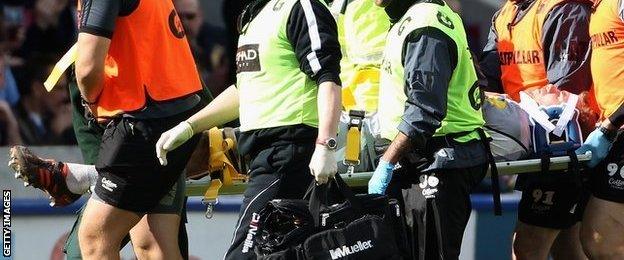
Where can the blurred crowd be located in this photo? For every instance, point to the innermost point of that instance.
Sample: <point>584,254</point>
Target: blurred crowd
<point>34,34</point>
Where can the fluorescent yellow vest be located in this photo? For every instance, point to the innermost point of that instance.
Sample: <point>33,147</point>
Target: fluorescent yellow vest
<point>464,97</point>
<point>365,27</point>
<point>272,88</point>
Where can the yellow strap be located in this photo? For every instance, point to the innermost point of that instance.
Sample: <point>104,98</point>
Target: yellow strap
<point>359,77</point>
<point>348,100</point>
<point>352,151</point>
<point>213,190</point>
<point>61,66</point>
<point>365,75</point>
<point>218,159</point>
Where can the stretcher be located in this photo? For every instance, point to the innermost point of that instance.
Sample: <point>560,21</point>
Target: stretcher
<point>360,179</point>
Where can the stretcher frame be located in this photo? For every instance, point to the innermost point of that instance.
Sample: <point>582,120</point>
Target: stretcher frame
<point>360,179</point>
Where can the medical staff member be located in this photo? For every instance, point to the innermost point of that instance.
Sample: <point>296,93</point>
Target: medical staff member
<point>287,98</point>
<point>603,223</point>
<point>534,43</point>
<point>430,113</point>
<point>136,74</point>
<point>364,27</point>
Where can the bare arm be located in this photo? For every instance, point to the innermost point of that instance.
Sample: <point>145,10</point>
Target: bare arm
<point>223,109</point>
<point>92,52</point>
<point>329,107</point>
<point>399,146</point>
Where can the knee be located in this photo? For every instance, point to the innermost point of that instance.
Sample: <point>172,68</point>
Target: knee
<point>153,250</point>
<point>87,241</point>
<point>92,244</point>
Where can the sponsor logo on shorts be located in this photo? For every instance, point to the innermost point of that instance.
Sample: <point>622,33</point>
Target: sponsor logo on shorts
<point>616,183</point>
<point>428,185</point>
<point>348,250</point>
<point>615,179</point>
<point>253,229</point>
<point>108,184</point>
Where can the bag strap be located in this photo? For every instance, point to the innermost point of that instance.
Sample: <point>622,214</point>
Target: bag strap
<point>318,198</point>
<point>494,173</point>
<point>545,163</point>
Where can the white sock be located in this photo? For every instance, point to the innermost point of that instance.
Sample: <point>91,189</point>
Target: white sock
<point>80,177</point>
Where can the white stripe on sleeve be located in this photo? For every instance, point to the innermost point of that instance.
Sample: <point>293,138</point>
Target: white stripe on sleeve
<point>315,37</point>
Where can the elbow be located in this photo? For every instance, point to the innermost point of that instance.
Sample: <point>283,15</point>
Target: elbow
<point>88,78</point>
<point>86,74</point>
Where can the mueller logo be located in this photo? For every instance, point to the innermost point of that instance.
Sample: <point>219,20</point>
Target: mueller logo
<point>604,39</point>
<point>520,57</point>
<point>349,250</point>
<point>248,58</point>
<point>108,184</point>
<point>253,229</point>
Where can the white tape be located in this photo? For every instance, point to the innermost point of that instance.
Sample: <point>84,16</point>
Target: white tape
<point>566,114</point>
<point>532,108</point>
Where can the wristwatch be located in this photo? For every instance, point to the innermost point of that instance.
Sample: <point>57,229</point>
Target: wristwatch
<point>609,134</point>
<point>330,143</point>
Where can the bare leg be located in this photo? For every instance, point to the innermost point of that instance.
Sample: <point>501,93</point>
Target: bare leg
<point>156,237</point>
<point>602,232</point>
<point>102,228</point>
<point>567,246</point>
<point>532,242</point>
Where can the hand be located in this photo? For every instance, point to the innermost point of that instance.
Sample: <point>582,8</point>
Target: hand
<point>598,145</point>
<point>171,139</point>
<point>323,164</point>
<point>381,178</point>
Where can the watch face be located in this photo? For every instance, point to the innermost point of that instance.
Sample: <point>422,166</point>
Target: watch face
<point>331,143</point>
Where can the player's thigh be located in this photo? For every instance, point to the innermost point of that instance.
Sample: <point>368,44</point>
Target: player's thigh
<point>104,223</point>
<point>533,242</point>
<point>567,246</point>
<point>156,236</point>
<point>603,226</point>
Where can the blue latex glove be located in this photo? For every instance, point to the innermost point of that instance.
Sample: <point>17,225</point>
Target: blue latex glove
<point>381,178</point>
<point>598,145</point>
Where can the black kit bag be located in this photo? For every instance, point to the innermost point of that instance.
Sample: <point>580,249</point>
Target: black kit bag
<point>337,225</point>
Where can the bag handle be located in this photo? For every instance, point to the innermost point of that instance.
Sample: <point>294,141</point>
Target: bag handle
<point>318,197</point>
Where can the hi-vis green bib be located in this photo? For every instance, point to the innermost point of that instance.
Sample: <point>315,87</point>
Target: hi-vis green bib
<point>365,28</point>
<point>272,88</point>
<point>464,97</point>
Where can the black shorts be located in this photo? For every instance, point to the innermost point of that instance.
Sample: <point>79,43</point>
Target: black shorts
<point>552,200</point>
<point>436,207</point>
<point>130,175</point>
<point>607,179</point>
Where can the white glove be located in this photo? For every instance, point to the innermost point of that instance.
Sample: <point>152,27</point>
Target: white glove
<point>171,139</point>
<point>323,164</point>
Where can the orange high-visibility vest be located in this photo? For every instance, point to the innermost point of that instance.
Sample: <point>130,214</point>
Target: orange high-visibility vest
<point>149,55</point>
<point>520,46</point>
<point>607,36</point>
